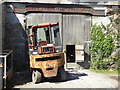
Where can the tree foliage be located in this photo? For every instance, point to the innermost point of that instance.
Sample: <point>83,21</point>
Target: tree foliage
<point>104,46</point>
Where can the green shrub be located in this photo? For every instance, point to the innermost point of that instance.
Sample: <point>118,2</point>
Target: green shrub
<point>102,47</point>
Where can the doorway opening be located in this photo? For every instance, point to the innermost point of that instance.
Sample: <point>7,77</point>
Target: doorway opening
<point>70,53</point>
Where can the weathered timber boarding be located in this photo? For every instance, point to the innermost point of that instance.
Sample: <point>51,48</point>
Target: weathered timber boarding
<point>38,18</point>
<point>76,29</point>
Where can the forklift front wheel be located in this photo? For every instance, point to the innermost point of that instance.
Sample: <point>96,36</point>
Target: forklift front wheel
<point>36,76</point>
<point>62,74</point>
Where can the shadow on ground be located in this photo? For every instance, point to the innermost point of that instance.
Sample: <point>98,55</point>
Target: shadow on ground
<point>21,78</point>
<point>70,76</point>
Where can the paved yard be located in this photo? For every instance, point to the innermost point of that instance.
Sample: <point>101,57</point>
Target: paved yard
<point>86,79</point>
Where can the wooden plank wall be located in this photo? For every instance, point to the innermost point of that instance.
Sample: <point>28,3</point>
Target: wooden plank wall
<point>37,18</point>
<point>76,30</point>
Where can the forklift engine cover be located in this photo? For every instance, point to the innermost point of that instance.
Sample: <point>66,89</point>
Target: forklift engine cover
<point>48,63</point>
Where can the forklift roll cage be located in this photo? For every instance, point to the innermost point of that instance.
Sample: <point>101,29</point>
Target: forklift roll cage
<point>32,42</point>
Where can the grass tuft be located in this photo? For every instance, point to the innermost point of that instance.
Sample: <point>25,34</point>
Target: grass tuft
<point>106,71</point>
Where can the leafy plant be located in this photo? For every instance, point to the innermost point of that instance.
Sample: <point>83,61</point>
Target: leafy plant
<point>102,46</point>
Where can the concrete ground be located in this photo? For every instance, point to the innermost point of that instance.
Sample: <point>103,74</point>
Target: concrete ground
<point>85,79</point>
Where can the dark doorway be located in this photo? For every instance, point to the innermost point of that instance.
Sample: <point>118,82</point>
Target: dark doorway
<point>70,53</point>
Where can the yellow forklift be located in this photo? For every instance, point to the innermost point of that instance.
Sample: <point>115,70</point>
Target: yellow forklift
<point>45,52</point>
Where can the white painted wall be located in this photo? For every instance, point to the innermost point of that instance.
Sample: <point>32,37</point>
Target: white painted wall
<point>99,20</point>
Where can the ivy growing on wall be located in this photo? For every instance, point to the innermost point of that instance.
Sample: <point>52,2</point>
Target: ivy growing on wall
<point>104,46</point>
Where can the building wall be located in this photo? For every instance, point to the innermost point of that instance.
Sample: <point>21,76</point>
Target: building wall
<point>98,20</point>
<point>75,29</point>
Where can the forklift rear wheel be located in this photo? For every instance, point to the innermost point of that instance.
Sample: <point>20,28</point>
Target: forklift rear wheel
<point>62,74</point>
<point>36,76</point>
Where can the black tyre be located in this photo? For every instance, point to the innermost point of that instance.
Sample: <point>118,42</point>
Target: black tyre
<point>36,76</point>
<point>61,74</point>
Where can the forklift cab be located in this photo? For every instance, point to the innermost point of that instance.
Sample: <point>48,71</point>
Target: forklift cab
<point>44,38</point>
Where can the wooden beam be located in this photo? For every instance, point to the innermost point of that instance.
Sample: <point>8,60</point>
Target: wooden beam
<point>53,8</point>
